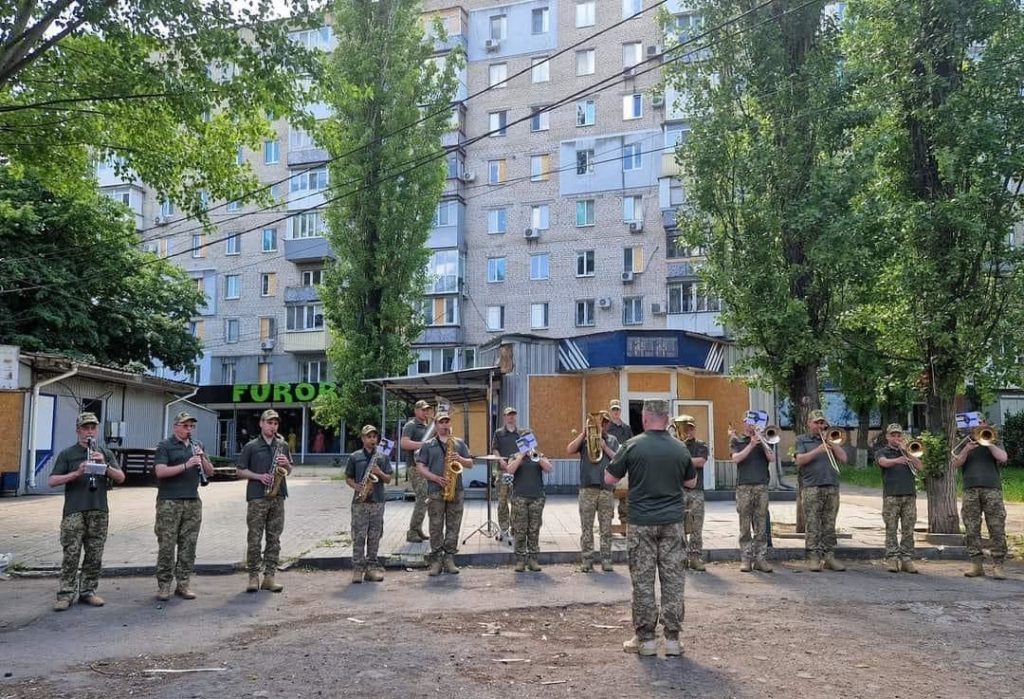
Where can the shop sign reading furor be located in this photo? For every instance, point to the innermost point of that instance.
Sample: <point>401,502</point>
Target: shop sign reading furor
<point>279,392</point>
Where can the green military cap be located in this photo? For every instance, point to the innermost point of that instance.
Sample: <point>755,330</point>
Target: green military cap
<point>369,429</point>
<point>183,417</point>
<point>86,419</point>
<point>816,415</point>
<point>894,427</point>
<point>269,414</point>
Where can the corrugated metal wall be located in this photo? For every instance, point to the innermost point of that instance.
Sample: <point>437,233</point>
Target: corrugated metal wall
<point>534,357</point>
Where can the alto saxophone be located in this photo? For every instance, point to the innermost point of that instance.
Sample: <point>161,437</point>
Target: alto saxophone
<point>594,450</point>
<point>370,479</point>
<point>274,489</point>
<point>452,470</point>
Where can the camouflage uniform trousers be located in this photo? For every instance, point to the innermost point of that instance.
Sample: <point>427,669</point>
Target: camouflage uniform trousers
<point>600,502</point>
<point>177,527</point>
<point>367,529</point>
<point>82,530</point>
<point>445,522</point>
<point>657,550</point>
<point>504,505</point>
<point>752,506</point>
<point>419,509</point>
<point>988,502</point>
<point>526,521</point>
<point>899,511</point>
<point>623,509</point>
<point>693,522</point>
<point>821,505</point>
<point>264,515</point>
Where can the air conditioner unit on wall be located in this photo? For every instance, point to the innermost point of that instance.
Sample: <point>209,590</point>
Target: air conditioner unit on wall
<point>658,100</point>
<point>627,277</point>
<point>531,234</point>
<point>653,51</point>
<point>657,309</point>
<point>492,44</point>
<point>267,345</point>
<point>636,226</point>
<point>160,220</point>
<point>604,302</point>
<point>468,177</point>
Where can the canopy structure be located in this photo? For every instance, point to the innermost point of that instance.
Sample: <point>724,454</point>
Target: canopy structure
<point>462,386</point>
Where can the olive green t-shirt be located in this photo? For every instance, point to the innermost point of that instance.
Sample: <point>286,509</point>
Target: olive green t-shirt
<point>657,465</point>
<point>184,486</point>
<point>753,470</point>
<point>698,450</point>
<point>258,456</point>
<point>415,431</point>
<point>896,480</point>
<point>591,474</point>
<point>432,455</point>
<point>818,471</point>
<point>980,469</point>
<point>359,462</point>
<point>77,496</point>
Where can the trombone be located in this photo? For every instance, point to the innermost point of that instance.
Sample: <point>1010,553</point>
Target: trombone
<point>836,437</point>
<point>983,435</point>
<point>769,435</point>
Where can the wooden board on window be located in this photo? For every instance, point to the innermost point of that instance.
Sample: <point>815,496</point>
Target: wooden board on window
<point>12,404</point>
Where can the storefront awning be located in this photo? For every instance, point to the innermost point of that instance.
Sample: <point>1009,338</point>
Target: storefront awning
<point>462,386</point>
<point>571,357</point>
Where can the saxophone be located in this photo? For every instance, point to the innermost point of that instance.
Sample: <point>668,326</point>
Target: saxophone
<point>274,489</point>
<point>370,479</point>
<point>452,470</point>
<point>594,450</point>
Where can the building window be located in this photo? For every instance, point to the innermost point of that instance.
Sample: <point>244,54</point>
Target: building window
<point>540,167</point>
<point>268,284</point>
<point>540,266</point>
<point>690,297</point>
<point>227,372</point>
<point>632,54</point>
<point>300,140</point>
<point>585,263</point>
<point>585,162</point>
<point>585,313</point>
<point>263,371</point>
<point>314,371</point>
<point>269,240</point>
<point>441,310</point>
<point>676,193</point>
<point>308,317</point>
<point>268,327</point>
<point>584,213</point>
<point>196,376</point>
<point>234,245</point>
<point>633,310</point>
<point>633,259</point>
<point>495,171</point>
<point>632,209</point>
<point>585,14</point>
<point>688,25</point>
<point>632,106</point>
<point>541,69</point>
<point>198,250</point>
<point>166,209</point>
<point>315,180</point>
<point>497,73</point>
<point>631,7</point>
<point>454,167</point>
<point>497,221</point>
<point>196,329</point>
<point>540,20</point>
<point>585,63</point>
<point>538,316</point>
<point>232,286</point>
<point>499,27</point>
<point>539,120</point>
<point>632,156</point>
<point>312,277</point>
<point>540,217</point>
<point>495,270</point>
<point>497,123</point>
<point>675,135</point>
<point>495,318</point>
<point>234,205</point>
<point>271,152</point>
<point>443,271</point>
<point>306,225</point>
<point>200,285</point>
<point>586,113</point>
<point>231,330</point>
<point>446,213</point>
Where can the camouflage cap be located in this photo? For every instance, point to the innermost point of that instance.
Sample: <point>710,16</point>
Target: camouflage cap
<point>270,415</point>
<point>687,420</point>
<point>894,427</point>
<point>656,407</point>
<point>368,429</point>
<point>816,415</point>
<point>183,417</point>
<point>442,415</point>
<point>615,405</point>
<point>510,411</point>
<point>422,405</point>
<point>86,419</point>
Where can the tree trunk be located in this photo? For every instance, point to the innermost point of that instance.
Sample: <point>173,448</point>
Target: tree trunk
<point>942,514</point>
<point>803,397</point>
<point>863,427</point>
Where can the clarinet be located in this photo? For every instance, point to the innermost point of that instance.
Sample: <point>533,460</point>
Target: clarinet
<point>88,458</point>
<point>197,450</point>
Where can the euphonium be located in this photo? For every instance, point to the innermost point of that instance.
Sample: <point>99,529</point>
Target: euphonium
<point>594,450</point>
<point>452,470</point>
<point>272,490</point>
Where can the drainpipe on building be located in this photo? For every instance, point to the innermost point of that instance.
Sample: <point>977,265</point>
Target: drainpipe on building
<point>30,475</point>
<point>167,408</point>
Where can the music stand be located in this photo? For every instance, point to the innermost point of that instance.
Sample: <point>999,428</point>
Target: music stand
<point>489,528</point>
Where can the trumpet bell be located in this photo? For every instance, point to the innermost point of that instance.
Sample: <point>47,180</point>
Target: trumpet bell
<point>836,436</point>
<point>915,449</point>
<point>771,435</point>
<point>985,436</point>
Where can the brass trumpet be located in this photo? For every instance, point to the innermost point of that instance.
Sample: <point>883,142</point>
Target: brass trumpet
<point>983,435</point>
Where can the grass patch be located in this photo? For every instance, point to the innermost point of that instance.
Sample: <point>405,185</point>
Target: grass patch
<point>1013,484</point>
<point>871,477</point>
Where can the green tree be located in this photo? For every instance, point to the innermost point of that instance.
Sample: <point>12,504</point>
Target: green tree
<point>169,89</point>
<point>380,80</point>
<point>108,301</point>
<point>942,80</point>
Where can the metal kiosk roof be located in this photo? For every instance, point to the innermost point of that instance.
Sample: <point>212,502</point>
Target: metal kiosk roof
<point>462,386</point>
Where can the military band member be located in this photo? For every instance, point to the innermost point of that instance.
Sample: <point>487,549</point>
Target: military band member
<point>820,492</point>
<point>83,525</point>
<point>445,517</point>
<point>503,444</point>
<point>412,436</point>
<point>983,496</point>
<point>899,500</point>
<point>264,514</point>
<point>693,524</point>
<point>659,468</point>
<point>527,506</point>
<point>368,511</point>
<point>622,433</point>
<point>595,496</point>
<point>179,511</point>
<point>752,457</point>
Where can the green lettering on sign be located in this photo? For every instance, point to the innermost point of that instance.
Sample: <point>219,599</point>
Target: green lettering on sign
<point>305,392</point>
<point>282,393</point>
<point>259,392</point>
<point>285,393</point>
<point>237,391</point>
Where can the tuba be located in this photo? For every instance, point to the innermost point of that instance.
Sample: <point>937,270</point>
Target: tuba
<point>452,470</point>
<point>594,450</point>
<point>272,490</point>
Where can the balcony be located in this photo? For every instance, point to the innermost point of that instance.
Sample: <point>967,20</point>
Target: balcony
<point>307,250</point>
<point>440,335</point>
<point>304,341</point>
<point>452,41</point>
<point>301,294</point>
<point>669,166</point>
<point>307,156</point>
<point>704,322</point>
